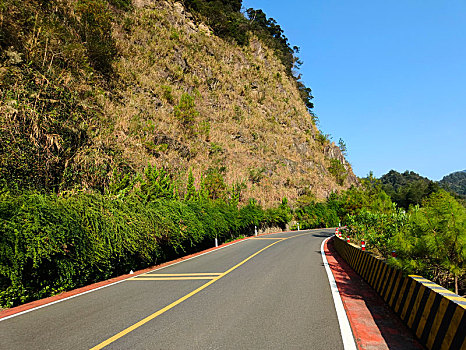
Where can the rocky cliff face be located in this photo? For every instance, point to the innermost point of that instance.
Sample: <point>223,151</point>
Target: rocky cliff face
<point>194,101</point>
<point>182,98</point>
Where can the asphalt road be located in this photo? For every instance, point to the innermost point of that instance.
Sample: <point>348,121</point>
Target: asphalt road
<point>278,299</point>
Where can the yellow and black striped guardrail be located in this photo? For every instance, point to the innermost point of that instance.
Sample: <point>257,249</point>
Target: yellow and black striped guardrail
<point>436,315</point>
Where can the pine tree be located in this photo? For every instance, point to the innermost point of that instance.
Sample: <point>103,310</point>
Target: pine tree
<point>438,236</point>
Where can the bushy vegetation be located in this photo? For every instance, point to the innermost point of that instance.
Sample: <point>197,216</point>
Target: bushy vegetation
<point>429,239</point>
<point>223,16</point>
<point>312,214</point>
<point>52,243</point>
<point>455,182</point>
<point>55,57</point>
<point>408,188</point>
<point>337,169</point>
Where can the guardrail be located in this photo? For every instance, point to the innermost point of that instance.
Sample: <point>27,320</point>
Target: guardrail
<point>436,315</point>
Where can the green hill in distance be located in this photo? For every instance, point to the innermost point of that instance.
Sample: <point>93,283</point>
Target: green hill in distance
<point>409,188</point>
<point>455,182</point>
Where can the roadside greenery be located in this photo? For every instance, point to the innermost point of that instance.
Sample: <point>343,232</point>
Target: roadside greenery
<point>51,243</point>
<point>337,169</point>
<point>64,224</point>
<point>428,239</point>
<point>55,242</point>
<point>311,214</point>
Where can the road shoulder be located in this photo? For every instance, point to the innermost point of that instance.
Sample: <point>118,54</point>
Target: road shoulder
<point>374,325</point>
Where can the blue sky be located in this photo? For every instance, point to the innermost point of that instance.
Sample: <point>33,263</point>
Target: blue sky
<point>388,77</point>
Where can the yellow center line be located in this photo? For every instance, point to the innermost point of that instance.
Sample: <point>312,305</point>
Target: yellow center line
<point>180,300</point>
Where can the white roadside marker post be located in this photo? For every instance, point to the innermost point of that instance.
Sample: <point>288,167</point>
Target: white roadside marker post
<point>255,230</point>
<point>216,242</point>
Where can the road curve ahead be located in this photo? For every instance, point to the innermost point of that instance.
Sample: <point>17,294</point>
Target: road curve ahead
<point>269,292</point>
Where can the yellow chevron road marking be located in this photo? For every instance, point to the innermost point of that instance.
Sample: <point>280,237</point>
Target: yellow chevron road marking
<point>452,329</point>
<point>425,314</point>
<point>437,321</point>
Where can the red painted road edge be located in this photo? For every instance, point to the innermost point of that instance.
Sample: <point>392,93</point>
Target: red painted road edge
<point>374,325</point>
<point>42,302</point>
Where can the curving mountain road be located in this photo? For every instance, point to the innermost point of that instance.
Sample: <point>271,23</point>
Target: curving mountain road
<point>269,292</point>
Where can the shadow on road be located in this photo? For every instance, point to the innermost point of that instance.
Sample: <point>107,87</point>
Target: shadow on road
<point>323,235</point>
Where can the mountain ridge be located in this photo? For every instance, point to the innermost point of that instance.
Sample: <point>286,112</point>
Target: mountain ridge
<point>174,95</point>
<point>455,181</point>
<point>409,188</point>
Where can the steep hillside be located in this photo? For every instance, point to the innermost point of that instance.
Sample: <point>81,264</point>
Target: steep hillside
<point>455,182</point>
<point>91,90</point>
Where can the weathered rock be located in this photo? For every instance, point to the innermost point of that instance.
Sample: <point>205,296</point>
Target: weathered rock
<point>172,143</point>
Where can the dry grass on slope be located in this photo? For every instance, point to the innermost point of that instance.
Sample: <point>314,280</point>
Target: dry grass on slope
<point>188,99</point>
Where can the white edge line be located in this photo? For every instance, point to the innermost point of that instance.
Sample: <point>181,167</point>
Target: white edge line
<point>114,283</point>
<point>345,328</point>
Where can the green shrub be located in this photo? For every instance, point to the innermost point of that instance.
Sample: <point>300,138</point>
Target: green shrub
<point>429,240</point>
<point>213,184</point>
<point>52,243</point>
<point>96,31</point>
<point>322,138</point>
<point>186,112</point>
<point>338,170</point>
<point>316,215</point>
